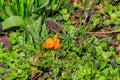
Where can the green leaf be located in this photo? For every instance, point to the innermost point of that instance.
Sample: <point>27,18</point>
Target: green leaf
<point>99,49</point>
<point>44,32</point>
<point>12,37</point>
<point>23,66</point>
<point>55,7</point>
<point>116,28</point>
<point>96,18</point>
<point>12,21</point>
<point>63,11</point>
<point>84,1</point>
<point>102,78</point>
<point>8,11</point>
<point>118,13</point>
<point>118,37</point>
<point>108,8</point>
<point>87,69</point>
<point>107,22</point>
<point>3,15</point>
<point>56,71</point>
<point>13,75</point>
<point>117,58</point>
<point>106,55</point>
<point>75,4</point>
<point>66,17</point>
<point>12,40</point>
<point>113,16</point>
<point>89,50</point>
<point>104,45</point>
<point>42,4</point>
<point>76,49</point>
<point>32,32</point>
<point>1,2</point>
<point>102,65</point>
<point>105,72</point>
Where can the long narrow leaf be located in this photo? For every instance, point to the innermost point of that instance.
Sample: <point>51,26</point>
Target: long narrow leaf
<point>43,4</point>
<point>8,11</point>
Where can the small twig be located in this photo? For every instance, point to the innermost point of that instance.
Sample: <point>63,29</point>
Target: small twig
<point>110,32</point>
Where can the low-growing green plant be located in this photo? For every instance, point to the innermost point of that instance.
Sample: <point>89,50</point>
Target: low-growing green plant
<point>26,18</point>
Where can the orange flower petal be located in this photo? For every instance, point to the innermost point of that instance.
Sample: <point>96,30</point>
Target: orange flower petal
<point>57,45</point>
<point>56,42</point>
<point>55,36</point>
<point>49,43</point>
<point>52,42</point>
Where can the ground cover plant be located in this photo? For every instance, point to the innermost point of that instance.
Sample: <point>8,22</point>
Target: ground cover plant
<point>59,39</point>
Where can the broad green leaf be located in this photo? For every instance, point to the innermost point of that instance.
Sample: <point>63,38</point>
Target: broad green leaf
<point>11,22</point>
